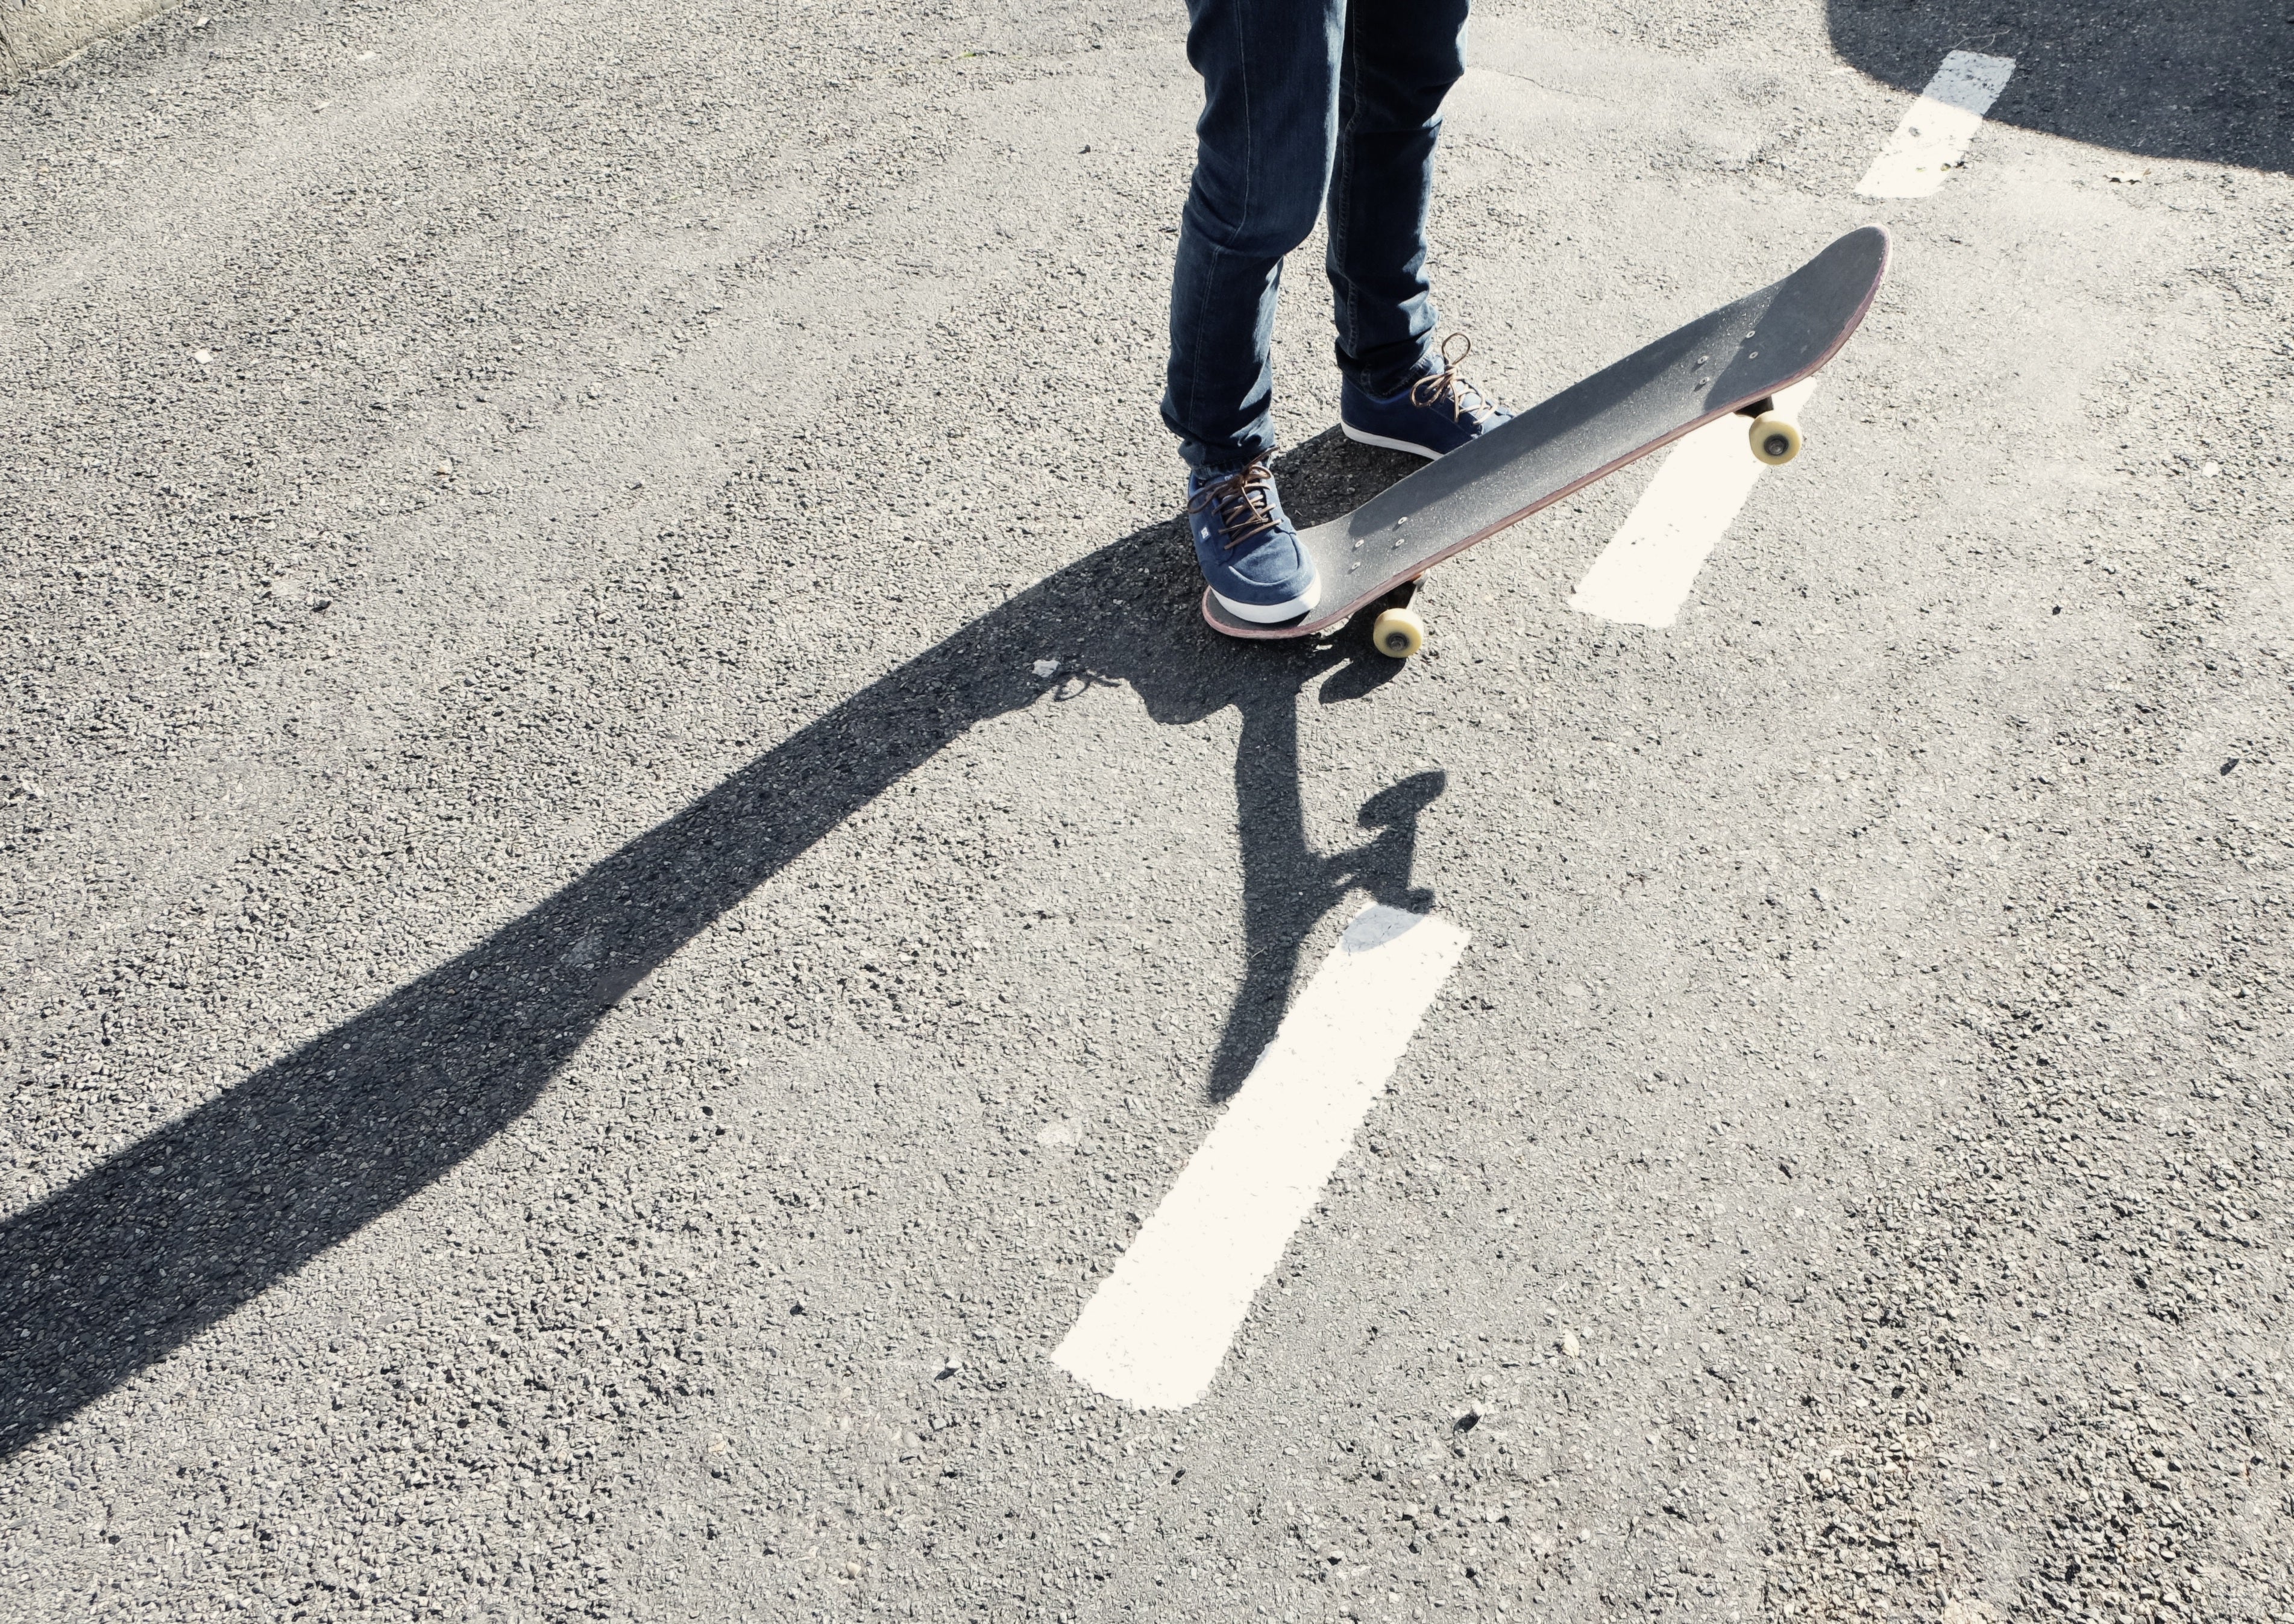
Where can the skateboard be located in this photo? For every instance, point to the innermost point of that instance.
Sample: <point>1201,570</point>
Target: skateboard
<point>1733,359</point>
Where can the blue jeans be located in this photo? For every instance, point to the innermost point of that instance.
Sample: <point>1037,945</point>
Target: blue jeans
<point>1304,100</point>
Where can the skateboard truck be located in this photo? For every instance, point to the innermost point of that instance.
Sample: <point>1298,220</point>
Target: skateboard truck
<point>1776,437</point>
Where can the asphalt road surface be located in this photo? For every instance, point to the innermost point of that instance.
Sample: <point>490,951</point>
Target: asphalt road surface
<point>629,871</point>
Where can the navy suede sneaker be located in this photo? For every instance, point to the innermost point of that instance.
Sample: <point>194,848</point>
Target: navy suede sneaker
<point>1432,415</point>
<point>1247,546</point>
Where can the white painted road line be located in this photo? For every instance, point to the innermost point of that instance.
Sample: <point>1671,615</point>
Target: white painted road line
<point>1644,575</point>
<point>1155,1331</point>
<point>1934,134</point>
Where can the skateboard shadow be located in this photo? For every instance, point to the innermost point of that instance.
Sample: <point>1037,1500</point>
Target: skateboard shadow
<point>1289,888</point>
<point>116,1270</point>
<point>2205,82</point>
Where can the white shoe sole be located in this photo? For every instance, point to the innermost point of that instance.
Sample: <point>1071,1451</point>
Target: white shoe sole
<point>1269,614</point>
<point>1356,434</point>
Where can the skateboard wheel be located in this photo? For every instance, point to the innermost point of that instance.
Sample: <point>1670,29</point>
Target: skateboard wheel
<point>1399,632</point>
<point>1776,438</point>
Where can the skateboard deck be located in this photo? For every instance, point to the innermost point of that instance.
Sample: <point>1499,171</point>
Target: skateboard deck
<point>1732,360</point>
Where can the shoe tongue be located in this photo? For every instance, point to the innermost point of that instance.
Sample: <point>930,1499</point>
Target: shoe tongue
<point>1203,479</point>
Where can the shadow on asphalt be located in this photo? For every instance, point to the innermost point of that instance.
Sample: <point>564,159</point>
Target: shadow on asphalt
<point>2213,83</point>
<point>112,1273</point>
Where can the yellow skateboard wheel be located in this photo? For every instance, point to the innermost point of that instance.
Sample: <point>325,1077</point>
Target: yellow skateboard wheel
<point>1776,438</point>
<point>1399,632</point>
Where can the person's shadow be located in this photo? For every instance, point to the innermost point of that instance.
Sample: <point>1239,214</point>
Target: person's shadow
<point>126,1263</point>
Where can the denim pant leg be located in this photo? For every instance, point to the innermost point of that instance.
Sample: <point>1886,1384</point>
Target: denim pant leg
<point>1401,57</point>
<point>1270,72</point>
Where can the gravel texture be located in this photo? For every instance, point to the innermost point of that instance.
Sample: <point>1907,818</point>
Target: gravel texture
<point>628,867</point>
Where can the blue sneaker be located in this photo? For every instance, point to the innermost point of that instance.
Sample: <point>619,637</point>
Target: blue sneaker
<point>1431,416</point>
<point>1247,546</point>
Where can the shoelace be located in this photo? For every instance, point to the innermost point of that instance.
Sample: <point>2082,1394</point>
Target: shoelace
<point>1242,502</point>
<point>1447,387</point>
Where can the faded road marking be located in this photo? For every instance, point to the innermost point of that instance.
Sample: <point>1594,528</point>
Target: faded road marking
<point>1933,136</point>
<point>1650,567</point>
<point>1644,575</point>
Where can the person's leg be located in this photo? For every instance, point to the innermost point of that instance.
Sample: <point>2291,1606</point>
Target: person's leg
<point>1261,163</point>
<point>1399,60</point>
